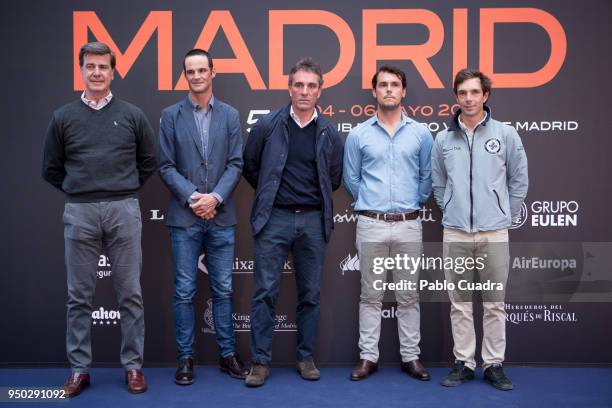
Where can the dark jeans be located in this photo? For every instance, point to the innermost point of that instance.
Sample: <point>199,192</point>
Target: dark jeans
<point>90,228</point>
<point>218,244</point>
<point>301,233</point>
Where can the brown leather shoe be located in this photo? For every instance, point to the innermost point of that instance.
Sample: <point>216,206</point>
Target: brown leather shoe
<point>135,381</point>
<point>416,370</point>
<point>233,366</point>
<point>257,376</point>
<point>184,371</point>
<point>75,384</point>
<point>308,370</point>
<point>363,370</point>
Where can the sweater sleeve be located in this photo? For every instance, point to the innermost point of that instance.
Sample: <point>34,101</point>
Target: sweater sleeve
<point>54,156</point>
<point>145,150</point>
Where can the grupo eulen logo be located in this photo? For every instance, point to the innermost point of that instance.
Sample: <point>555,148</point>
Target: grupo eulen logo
<point>554,213</point>
<point>520,221</point>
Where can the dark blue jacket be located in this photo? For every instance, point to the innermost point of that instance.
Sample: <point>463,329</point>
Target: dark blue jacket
<point>265,155</point>
<point>184,169</point>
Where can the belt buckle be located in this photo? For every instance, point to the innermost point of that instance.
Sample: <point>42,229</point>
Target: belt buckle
<point>385,218</point>
<point>298,211</point>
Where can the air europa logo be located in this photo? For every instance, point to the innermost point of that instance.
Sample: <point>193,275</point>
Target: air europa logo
<point>372,50</point>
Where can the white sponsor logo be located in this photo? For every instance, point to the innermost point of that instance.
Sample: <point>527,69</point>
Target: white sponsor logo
<point>518,222</point>
<point>346,217</point>
<point>350,264</point>
<point>425,215</point>
<point>102,317</point>
<point>240,266</point>
<point>156,215</point>
<point>534,313</point>
<point>543,263</point>
<point>242,321</point>
<point>554,213</point>
<point>208,318</point>
<point>104,265</point>
<point>388,313</point>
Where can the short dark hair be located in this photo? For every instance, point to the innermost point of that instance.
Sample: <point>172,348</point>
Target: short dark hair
<point>309,65</point>
<point>468,73</point>
<point>199,51</point>
<point>392,70</point>
<point>96,48</point>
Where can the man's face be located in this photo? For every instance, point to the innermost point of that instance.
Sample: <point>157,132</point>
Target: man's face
<point>304,91</point>
<point>198,74</point>
<point>97,73</point>
<point>389,91</point>
<point>471,98</point>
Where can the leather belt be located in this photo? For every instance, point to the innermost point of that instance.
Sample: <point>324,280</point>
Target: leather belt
<point>390,217</point>
<point>298,208</point>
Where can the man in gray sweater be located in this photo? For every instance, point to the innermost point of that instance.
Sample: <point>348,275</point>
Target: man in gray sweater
<point>479,175</point>
<point>99,151</point>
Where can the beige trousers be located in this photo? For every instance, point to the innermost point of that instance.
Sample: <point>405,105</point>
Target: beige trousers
<point>492,247</point>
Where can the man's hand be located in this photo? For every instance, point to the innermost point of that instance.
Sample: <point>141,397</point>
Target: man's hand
<point>205,205</point>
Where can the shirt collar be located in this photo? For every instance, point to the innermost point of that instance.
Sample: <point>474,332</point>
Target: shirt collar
<point>403,121</point>
<point>295,118</point>
<point>464,127</point>
<point>195,106</point>
<point>97,105</point>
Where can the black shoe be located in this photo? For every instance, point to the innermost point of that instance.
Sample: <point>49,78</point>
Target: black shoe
<point>458,375</point>
<point>184,372</point>
<point>496,377</point>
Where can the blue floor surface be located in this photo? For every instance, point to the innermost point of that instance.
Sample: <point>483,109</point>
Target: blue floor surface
<point>534,387</point>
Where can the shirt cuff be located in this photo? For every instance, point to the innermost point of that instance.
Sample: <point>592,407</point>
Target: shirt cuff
<point>192,200</point>
<point>218,197</point>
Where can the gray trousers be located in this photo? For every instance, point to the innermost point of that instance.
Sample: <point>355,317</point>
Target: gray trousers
<point>376,239</point>
<point>90,228</point>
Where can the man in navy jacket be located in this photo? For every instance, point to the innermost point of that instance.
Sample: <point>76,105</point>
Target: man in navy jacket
<point>293,159</point>
<point>200,158</point>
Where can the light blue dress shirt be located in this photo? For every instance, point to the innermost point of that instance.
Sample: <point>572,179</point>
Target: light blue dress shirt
<point>388,173</point>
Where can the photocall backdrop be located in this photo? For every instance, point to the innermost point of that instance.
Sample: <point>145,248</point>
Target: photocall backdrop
<point>550,65</point>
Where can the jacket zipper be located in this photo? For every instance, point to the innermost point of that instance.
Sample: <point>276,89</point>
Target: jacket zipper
<point>471,195</point>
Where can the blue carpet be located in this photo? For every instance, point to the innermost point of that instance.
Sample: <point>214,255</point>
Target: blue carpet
<point>534,387</point>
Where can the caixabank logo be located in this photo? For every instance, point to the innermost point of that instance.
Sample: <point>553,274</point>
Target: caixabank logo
<point>105,317</point>
<point>242,266</point>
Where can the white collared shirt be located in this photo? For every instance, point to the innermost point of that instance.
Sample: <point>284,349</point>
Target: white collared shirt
<point>465,128</point>
<point>297,120</point>
<point>468,132</point>
<point>100,104</point>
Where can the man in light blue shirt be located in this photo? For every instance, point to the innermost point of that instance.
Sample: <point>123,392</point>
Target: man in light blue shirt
<point>387,172</point>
